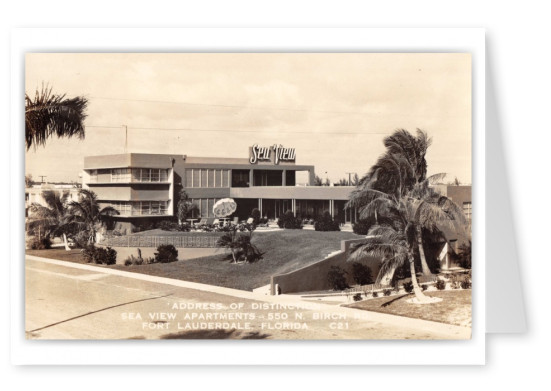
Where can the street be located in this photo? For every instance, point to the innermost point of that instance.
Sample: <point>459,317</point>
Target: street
<point>73,301</point>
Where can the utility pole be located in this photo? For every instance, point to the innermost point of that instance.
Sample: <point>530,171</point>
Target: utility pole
<point>42,178</point>
<point>125,138</point>
<point>349,178</point>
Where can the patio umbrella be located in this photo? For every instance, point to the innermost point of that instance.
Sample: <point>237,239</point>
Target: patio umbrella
<point>224,207</point>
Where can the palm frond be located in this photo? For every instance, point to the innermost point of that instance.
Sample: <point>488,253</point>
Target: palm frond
<point>48,114</point>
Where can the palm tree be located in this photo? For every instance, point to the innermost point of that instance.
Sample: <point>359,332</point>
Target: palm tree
<point>185,206</point>
<point>396,172</point>
<point>87,215</point>
<point>52,218</point>
<point>50,114</point>
<point>403,145</point>
<point>400,220</point>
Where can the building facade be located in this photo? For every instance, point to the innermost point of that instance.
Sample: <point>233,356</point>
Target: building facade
<point>146,186</point>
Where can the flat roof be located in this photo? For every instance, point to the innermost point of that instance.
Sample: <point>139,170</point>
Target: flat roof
<point>150,160</point>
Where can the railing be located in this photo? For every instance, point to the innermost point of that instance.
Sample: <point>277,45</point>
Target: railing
<point>192,241</point>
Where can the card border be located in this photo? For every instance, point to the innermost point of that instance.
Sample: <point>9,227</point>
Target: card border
<point>32,352</point>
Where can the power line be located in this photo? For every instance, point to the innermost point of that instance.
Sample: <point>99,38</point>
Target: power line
<point>239,130</point>
<point>233,106</point>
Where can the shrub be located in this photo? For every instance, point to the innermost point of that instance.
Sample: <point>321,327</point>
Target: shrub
<point>111,256</point>
<point>361,273</point>
<point>408,287</point>
<point>336,278</point>
<point>440,285</point>
<point>289,221</point>
<point>357,297</point>
<point>167,225</point>
<point>166,253</point>
<point>466,284</point>
<point>326,223</point>
<point>387,292</point>
<point>375,294</point>
<point>128,261</point>
<point>465,255</point>
<point>40,244</point>
<point>255,214</point>
<point>88,252</point>
<point>424,287</point>
<point>99,255</point>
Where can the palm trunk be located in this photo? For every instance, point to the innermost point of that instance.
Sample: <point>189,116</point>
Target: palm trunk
<point>416,288</point>
<point>67,248</point>
<point>424,265</point>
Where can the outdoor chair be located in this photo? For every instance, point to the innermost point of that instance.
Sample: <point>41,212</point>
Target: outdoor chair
<point>202,222</point>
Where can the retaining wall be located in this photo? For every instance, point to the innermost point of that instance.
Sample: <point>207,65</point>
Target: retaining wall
<point>314,277</point>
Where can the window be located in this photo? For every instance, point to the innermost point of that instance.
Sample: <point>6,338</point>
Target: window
<point>467,209</point>
<point>210,177</point>
<point>120,175</point>
<point>93,176</point>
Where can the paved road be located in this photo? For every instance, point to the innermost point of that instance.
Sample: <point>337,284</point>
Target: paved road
<point>67,302</point>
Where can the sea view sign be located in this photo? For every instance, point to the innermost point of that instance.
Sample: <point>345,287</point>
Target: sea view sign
<point>265,154</point>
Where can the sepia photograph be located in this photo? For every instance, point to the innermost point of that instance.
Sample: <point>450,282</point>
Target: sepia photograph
<point>286,196</point>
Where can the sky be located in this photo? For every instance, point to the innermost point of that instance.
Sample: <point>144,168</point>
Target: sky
<point>334,108</point>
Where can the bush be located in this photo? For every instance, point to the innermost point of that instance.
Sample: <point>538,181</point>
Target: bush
<point>440,285</point>
<point>361,274</point>
<point>387,292</point>
<point>375,294</point>
<point>40,244</point>
<point>255,214</point>
<point>424,287</point>
<point>357,297</point>
<point>336,278</point>
<point>289,221</point>
<point>166,253</point>
<point>361,227</point>
<point>466,284</point>
<point>326,223</point>
<point>465,255</point>
<point>408,286</point>
<point>99,255</point>
<point>167,225</point>
<point>88,252</point>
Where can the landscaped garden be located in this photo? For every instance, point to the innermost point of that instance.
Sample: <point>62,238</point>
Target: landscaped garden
<point>455,307</point>
<point>283,251</point>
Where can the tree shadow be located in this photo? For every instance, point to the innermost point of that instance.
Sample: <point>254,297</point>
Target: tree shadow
<point>215,334</point>
<point>386,304</point>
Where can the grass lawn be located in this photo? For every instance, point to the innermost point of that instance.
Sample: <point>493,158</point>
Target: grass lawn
<point>284,251</point>
<point>58,253</point>
<point>455,308</point>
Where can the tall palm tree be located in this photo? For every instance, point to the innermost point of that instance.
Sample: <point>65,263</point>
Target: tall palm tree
<point>87,215</point>
<point>400,220</point>
<point>402,145</point>
<point>53,217</point>
<point>50,114</point>
<point>396,172</point>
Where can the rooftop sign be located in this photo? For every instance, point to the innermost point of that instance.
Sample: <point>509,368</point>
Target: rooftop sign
<point>280,154</point>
